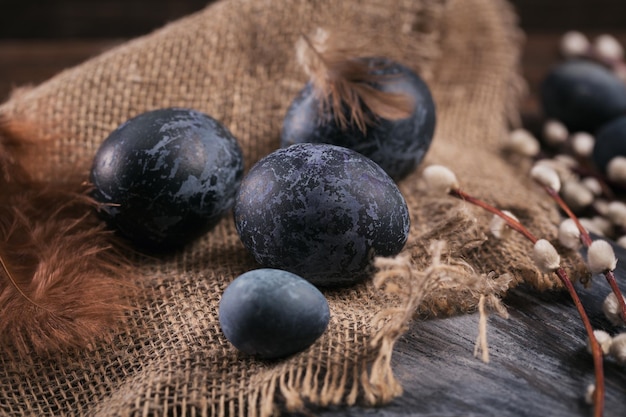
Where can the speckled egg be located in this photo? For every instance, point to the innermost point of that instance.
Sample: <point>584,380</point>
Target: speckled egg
<point>321,211</point>
<point>398,146</point>
<point>167,176</point>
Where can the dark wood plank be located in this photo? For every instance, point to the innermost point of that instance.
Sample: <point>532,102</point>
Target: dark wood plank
<point>114,18</point>
<point>572,14</point>
<point>539,365</point>
<point>70,19</point>
<point>30,62</point>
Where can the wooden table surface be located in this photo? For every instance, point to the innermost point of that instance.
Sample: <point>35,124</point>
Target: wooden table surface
<point>539,364</point>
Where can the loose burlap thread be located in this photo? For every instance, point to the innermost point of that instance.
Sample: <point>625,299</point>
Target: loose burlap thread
<point>235,60</point>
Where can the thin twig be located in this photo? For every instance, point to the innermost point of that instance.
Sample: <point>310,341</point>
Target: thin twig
<point>596,350</point>
<point>586,240</point>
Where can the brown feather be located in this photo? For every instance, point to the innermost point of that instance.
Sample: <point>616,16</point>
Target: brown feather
<point>18,133</point>
<point>341,79</point>
<point>63,282</point>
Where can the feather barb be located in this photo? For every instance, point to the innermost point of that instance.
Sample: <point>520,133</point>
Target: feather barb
<point>345,84</point>
<point>64,282</point>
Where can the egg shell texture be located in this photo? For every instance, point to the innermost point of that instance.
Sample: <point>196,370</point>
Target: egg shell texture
<point>320,211</point>
<point>167,176</point>
<point>398,146</point>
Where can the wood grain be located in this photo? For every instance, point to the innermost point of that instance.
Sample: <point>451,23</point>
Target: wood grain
<point>539,365</point>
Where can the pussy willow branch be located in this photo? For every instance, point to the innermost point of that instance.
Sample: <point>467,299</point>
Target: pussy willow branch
<point>562,275</point>
<point>586,241</point>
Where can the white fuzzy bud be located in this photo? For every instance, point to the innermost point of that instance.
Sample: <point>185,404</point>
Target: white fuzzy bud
<point>618,348</point>
<point>601,257</point>
<point>616,213</point>
<point>602,226</point>
<point>498,226</point>
<point>576,195</point>
<point>566,160</point>
<point>583,143</point>
<point>597,225</point>
<point>621,241</point>
<point>604,340</point>
<point>546,176</point>
<point>574,44</point>
<point>611,309</point>
<point>590,394</point>
<point>564,166</point>
<point>555,132</point>
<point>569,234</point>
<point>601,206</point>
<point>440,179</point>
<point>593,185</point>
<point>521,141</point>
<point>609,48</point>
<point>590,226</point>
<point>545,256</point>
<point>616,169</point>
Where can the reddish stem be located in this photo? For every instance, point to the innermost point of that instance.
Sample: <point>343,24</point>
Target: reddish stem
<point>514,224</point>
<point>586,241</point>
<point>605,184</point>
<point>584,235</point>
<point>596,350</point>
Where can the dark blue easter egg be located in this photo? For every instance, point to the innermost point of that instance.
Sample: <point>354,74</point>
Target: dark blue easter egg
<point>610,142</point>
<point>583,95</point>
<point>167,176</point>
<point>398,146</point>
<point>271,313</point>
<point>321,211</point>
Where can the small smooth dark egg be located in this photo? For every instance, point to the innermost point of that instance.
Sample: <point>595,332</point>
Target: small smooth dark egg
<point>271,313</point>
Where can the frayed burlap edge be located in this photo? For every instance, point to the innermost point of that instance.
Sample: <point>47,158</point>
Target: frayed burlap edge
<point>486,266</point>
<point>456,234</point>
<point>372,381</point>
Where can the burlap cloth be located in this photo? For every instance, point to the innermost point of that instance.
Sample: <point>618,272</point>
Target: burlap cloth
<point>235,61</point>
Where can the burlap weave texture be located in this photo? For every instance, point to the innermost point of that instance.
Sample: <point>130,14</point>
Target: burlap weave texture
<point>235,61</point>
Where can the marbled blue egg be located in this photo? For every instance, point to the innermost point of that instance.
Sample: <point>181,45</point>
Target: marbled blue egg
<point>320,211</point>
<point>398,146</point>
<point>271,313</point>
<point>166,176</point>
